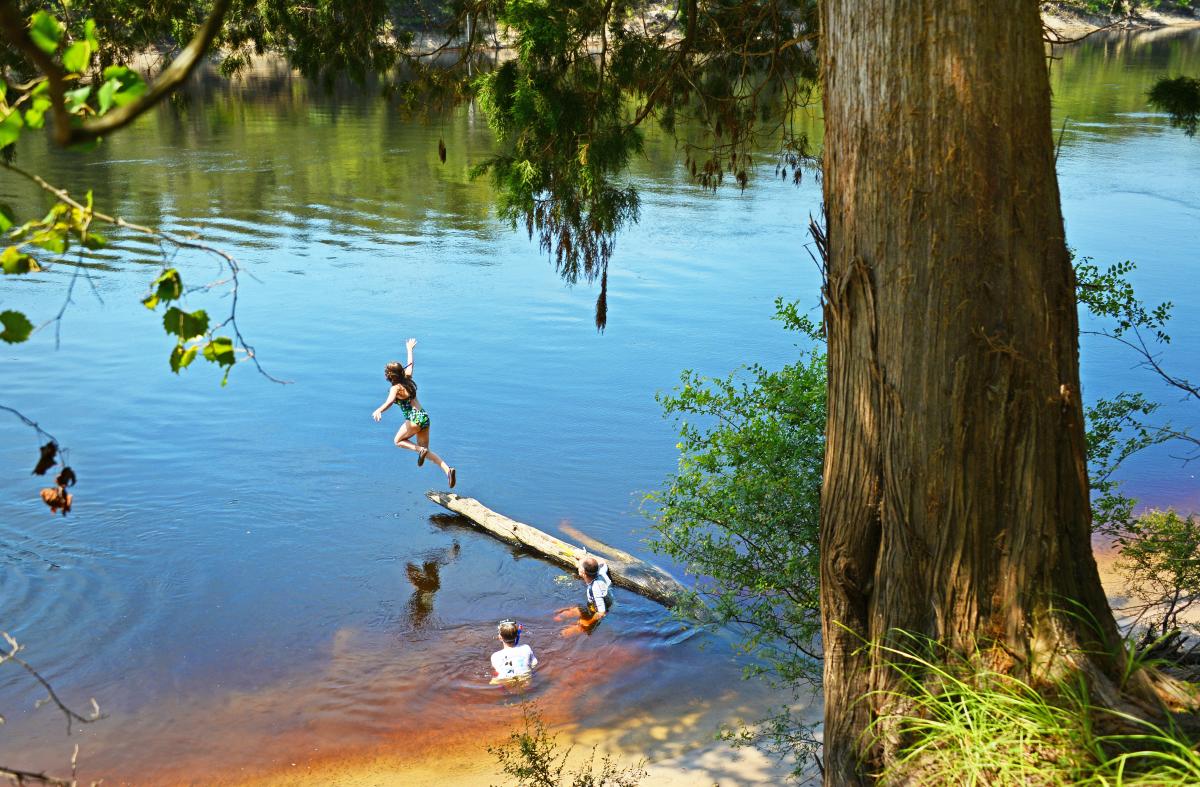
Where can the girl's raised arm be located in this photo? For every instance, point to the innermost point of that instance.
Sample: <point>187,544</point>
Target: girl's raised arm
<point>410,344</point>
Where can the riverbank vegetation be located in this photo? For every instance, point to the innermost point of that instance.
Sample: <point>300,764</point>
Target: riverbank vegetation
<point>904,516</point>
<point>742,513</point>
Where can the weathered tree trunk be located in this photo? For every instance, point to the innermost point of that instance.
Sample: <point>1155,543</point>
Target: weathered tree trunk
<point>955,499</point>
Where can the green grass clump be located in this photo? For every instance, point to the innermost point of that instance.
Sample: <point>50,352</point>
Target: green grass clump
<point>964,724</point>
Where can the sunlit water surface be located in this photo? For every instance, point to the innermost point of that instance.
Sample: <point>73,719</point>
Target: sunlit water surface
<point>251,576</point>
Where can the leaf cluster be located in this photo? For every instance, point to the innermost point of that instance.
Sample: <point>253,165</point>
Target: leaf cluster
<point>192,330</point>
<point>1109,294</point>
<point>53,233</point>
<point>73,49</point>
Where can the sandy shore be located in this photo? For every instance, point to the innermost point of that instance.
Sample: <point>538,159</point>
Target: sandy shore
<point>702,761</point>
<point>1068,21</point>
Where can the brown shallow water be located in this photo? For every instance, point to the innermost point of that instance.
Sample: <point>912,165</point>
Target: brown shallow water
<point>297,731</point>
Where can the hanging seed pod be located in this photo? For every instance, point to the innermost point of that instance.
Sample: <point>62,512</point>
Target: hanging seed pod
<point>442,150</point>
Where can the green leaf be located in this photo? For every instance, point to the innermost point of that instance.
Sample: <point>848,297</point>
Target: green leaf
<point>17,327</point>
<point>45,31</point>
<point>10,128</point>
<point>89,34</point>
<point>7,217</point>
<point>184,325</point>
<point>36,114</point>
<point>14,262</point>
<point>167,287</point>
<point>94,240</point>
<point>77,98</point>
<point>53,239</point>
<point>182,358</point>
<point>118,73</point>
<point>220,351</point>
<point>77,56</point>
<point>106,93</point>
<point>129,94</point>
<point>126,83</point>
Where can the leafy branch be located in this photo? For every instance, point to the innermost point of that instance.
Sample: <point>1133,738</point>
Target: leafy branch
<point>43,37</point>
<point>187,327</point>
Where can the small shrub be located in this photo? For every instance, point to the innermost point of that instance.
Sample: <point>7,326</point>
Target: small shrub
<point>1160,560</point>
<point>531,758</point>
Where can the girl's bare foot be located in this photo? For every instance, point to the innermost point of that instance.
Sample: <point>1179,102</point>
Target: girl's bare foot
<point>421,454</point>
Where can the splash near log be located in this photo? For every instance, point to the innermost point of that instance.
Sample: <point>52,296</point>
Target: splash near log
<point>626,571</point>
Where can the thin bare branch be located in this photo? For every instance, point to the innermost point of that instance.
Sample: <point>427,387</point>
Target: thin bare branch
<point>42,433</point>
<point>21,777</point>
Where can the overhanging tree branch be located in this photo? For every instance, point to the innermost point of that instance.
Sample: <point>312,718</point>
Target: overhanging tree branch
<point>13,27</point>
<point>689,37</point>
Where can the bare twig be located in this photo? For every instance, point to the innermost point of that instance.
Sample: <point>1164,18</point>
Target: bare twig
<point>42,433</point>
<point>21,777</point>
<point>51,697</point>
<point>18,775</point>
<point>1058,39</point>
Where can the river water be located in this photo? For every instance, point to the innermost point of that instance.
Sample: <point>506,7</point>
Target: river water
<point>251,579</point>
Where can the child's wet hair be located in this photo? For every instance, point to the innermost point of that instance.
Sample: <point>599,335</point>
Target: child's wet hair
<point>509,632</point>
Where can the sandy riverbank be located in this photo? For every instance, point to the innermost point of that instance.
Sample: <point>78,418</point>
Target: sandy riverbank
<point>671,759</point>
<point>1070,21</point>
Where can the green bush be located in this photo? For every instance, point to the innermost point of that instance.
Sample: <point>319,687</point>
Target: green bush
<point>531,758</point>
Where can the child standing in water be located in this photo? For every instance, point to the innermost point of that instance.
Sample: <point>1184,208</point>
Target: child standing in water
<point>403,394</point>
<point>514,660</point>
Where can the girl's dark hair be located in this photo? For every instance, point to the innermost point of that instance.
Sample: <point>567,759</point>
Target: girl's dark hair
<point>395,374</point>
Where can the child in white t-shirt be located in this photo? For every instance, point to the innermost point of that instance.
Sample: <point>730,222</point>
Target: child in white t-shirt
<point>513,660</point>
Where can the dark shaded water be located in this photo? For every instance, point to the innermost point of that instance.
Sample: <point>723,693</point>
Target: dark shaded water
<point>251,568</point>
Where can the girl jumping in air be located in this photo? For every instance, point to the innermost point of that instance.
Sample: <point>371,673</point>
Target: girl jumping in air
<point>416,421</point>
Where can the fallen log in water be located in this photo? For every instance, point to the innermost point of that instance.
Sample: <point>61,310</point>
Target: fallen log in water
<point>625,570</point>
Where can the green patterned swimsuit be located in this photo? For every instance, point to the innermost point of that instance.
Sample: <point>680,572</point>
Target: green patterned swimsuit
<point>414,414</point>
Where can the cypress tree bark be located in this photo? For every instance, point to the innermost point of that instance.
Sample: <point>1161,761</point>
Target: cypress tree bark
<point>955,500</point>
